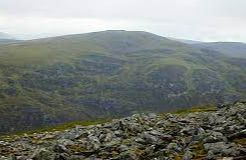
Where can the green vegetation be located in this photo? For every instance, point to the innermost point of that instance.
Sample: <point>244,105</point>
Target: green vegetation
<point>209,108</point>
<point>69,125</point>
<point>241,141</point>
<point>59,127</point>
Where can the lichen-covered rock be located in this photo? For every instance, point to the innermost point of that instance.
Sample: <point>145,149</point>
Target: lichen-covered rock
<point>220,149</point>
<point>43,154</point>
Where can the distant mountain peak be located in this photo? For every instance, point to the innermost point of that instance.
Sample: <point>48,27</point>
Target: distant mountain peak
<point>187,41</point>
<point>232,49</point>
<point>116,30</point>
<point>5,36</point>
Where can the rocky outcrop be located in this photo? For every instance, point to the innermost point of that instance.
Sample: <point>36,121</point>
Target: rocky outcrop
<point>196,135</point>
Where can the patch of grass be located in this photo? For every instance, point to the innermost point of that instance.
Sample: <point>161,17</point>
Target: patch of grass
<point>241,141</point>
<point>77,149</point>
<point>209,108</point>
<point>59,127</point>
<point>199,151</point>
<point>178,157</point>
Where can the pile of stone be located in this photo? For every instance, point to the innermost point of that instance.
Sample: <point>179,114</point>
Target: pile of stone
<point>198,135</point>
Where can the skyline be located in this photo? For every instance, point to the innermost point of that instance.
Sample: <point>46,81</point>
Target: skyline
<point>201,20</point>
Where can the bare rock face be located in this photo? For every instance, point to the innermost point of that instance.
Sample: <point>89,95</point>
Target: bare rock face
<point>214,134</point>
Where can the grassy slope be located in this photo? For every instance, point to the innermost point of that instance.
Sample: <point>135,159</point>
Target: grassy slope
<point>65,48</point>
<point>105,74</point>
<point>65,126</point>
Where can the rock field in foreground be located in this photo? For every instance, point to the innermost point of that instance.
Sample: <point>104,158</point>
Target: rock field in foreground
<point>197,135</point>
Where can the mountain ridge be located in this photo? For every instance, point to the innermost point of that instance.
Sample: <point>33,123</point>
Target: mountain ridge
<point>6,38</point>
<point>233,49</point>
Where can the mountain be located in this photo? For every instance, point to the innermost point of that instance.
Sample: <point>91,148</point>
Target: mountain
<point>8,41</point>
<point>5,36</point>
<point>109,74</point>
<point>233,49</point>
<point>197,133</point>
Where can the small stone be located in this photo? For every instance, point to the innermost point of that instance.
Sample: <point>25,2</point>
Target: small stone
<point>227,158</point>
<point>241,134</point>
<point>215,137</point>
<point>65,142</point>
<point>60,148</point>
<point>140,140</point>
<point>188,155</point>
<point>42,154</point>
<point>221,148</point>
<point>123,148</point>
<point>149,138</point>
<point>174,147</point>
<point>48,136</point>
<point>108,137</point>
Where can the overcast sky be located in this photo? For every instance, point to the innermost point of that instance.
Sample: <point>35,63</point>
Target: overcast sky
<point>206,20</point>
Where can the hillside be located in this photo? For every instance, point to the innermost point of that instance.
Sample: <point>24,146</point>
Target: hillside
<point>232,49</point>
<point>198,133</point>
<point>109,74</point>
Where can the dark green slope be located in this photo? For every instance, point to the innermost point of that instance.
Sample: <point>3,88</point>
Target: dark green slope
<point>110,73</point>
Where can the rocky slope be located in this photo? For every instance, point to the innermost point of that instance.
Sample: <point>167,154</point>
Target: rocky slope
<point>208,133</point>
